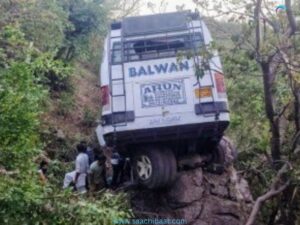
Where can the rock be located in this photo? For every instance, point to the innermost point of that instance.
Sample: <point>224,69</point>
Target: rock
<point>187,181</point>
<point>199,197</point>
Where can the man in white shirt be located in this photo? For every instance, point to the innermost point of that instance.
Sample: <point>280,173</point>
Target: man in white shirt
<point>78,177</point>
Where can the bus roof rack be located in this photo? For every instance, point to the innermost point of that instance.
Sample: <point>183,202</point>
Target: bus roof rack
<point>150,24</point>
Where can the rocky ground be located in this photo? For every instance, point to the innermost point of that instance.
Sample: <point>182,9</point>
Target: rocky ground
<point>199,197</point>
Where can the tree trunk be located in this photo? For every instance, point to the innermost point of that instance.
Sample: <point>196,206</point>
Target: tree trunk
<point>297,107</point>
<point>268,79</point>
<point>275,140</point>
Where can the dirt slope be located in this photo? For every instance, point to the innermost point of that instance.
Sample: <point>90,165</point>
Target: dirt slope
<point>71,117</point>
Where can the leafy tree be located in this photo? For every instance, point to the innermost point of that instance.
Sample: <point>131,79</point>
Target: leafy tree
<point>89,20</point>
<point>271,45</point>
<point>45,24</point>
<point>20,99</point>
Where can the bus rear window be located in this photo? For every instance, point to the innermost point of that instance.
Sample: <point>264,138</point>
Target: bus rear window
<point>160,47</point>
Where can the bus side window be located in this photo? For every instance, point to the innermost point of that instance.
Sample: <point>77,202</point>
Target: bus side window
<point>116,53</point>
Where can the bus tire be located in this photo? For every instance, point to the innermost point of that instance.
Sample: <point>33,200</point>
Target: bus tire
<point>171,167</point>
<point>148,167</point>
<point>224,154</point>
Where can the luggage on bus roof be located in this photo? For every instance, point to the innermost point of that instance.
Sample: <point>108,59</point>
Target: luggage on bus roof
<point>149,24</point>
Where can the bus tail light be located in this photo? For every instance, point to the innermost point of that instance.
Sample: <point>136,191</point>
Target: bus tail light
<point>105,95</point>
<point>219,77</point>
<point>220,85</point>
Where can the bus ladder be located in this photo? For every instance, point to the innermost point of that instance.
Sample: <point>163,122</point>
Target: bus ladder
<point>113,83</point>
<point>206,62</point>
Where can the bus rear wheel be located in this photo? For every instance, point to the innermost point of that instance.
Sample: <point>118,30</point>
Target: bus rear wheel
<point>224,155</point>
<point>154,167</point>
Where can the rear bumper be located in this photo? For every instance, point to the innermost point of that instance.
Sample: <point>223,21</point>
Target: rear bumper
<point>200,109</point>
<point>185,125</point>
<point>204,131</point>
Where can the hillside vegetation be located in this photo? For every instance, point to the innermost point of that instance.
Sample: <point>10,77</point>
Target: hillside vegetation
<point>49,52</point>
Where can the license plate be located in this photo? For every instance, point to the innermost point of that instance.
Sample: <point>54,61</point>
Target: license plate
<point>163,93</point>
<point>203,92</point>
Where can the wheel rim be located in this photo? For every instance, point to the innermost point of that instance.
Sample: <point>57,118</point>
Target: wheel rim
<point>144,167</point>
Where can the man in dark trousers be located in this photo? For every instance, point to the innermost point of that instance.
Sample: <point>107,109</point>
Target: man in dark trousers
<point>117,163</point>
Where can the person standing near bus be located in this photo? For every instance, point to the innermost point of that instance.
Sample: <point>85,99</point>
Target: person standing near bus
<point>78,177</point>
<point>97,175</point>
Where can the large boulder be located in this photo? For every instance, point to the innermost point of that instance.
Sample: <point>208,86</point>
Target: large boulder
<point>198,197</point>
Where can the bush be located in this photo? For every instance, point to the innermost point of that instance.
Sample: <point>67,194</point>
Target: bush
<point>54,207</point>
<point>53,73</point>
<point>20,98</point>
<point>77,210</point>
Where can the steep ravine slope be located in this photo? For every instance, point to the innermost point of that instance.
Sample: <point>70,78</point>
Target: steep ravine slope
<point>71,116</point>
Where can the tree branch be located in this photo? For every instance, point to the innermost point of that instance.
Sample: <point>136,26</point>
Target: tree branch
<point>274,190</point>
<point>257,28</point>
<point>291,18</point>
<point>260,200</point>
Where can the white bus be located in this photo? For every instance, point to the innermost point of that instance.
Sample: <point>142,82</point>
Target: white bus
<point>155,107</point>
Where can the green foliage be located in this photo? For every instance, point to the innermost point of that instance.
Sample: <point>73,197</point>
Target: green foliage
<point>45,24</point>
<point>249,126</point>
<point>100,210</point>
<point>49,71</point>
<point>248,59</point>
<point>57,207</point>
<point>85,40</point>
<point>57,170</point>
<point>67,29</point>
<point>37,40</point>
<point>62,208</point>
<point>12,45</point>
<point>23,199</point>
<point>53,73</point>
<point>20,97</point>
